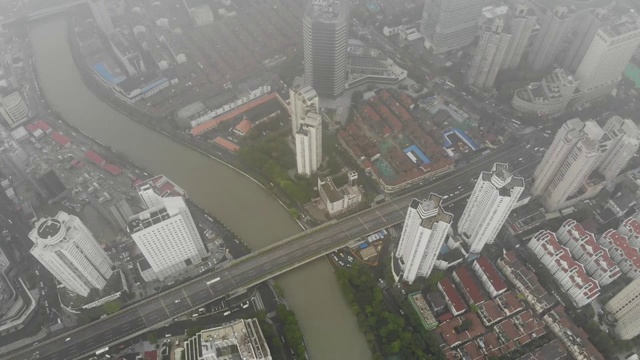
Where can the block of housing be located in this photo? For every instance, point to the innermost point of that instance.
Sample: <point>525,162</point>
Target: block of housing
<point>489,276</point>
<point>626,256</point>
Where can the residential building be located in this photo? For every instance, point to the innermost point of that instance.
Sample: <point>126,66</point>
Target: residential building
<point>548,97</point>
<point>467,283</point>
<point>101,14</point>
<point>67,248</point>
<point>519,22</point>
<point>338,200</point>
<point>584,248</point>
<point>449,24</point>
<point>553,32</point>
<point>609,53</point>
<point>625,140</point>
<point>308,141</point>
<point>325,35</point>
<point>630,229</point>
<point>489,55</point>
<point>568,274</point>
<point>424,231</point>
<point>166,234</point>
<point>13,109</point>
<point>575,152</point>
<point>624,309</point>
<point>454,301</point>
<point>243,339</point>
<point>201,14</point>
<point>626,256</point>
<point>584,33</point>
<point>302,100</point>
<point>489,276</point>
<point>491,201</point>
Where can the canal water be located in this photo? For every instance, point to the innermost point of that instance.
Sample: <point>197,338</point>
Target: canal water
<point>312,290</point>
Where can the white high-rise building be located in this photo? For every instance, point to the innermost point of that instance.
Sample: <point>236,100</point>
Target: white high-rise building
<point>625,140</point>
<point>166,234</point>
<point>489,55</point>
<point>585,32</point>
<point>607,57</point>
<point>491,201</point>
<point>449,24</point>
<point>548,43</point>
<point>624,309</point>
<point>66,247</point>
<point>424,231</point>
<point>575,152</point>
<point>302,100</point>
<point>325,35</point>
<point>101,14</point>
<point>13,109</point>
<point>308,140</point>
<point>520,22</point>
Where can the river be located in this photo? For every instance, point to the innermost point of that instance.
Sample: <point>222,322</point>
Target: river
<point>329,327</point>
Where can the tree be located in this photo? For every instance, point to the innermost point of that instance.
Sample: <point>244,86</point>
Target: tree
<point>192,331</point>
<point>31,280</point>
<point>112,306</point>
<point>152,338</point>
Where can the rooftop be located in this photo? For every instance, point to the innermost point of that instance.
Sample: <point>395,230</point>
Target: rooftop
<point>449,291</point>
<point>491,273</point>
<point>469,285</point>
<point>327,10</point>
<point>49,228</point>
<point>431,211</point>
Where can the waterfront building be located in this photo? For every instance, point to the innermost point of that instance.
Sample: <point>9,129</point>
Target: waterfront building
<point>608,55</point>
<point>625,140</point>
<point>13,109</point>
<point>519,23</point>
<point>548,97</point>
<point>489,55</point>
<point>325,35</point>
<point>553,31</point>
<point>424,231</point>
<point>302,100</point>
<point>241,338</point>
<point>67,248</point>
<point>338,200</point>
<point>449,24</point>
<point>101,14</point>
<point>308,140</point>
<point>624,310</point>
<point>491,201</point>
<point>166,234</point>
<point>584,33</point>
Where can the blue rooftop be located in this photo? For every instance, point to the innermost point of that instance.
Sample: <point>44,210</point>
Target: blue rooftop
<point>106,74</point>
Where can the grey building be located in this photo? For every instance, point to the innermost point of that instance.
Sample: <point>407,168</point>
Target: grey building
<point>553,32</point>
<point>449,24</point>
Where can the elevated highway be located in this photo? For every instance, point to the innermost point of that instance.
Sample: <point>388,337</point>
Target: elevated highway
<point>266,263</point>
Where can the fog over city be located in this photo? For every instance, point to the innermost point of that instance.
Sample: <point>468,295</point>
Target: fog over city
<point>319,179</point>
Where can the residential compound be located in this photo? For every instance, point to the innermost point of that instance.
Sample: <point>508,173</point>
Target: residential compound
<point>489,56</point>
<point>624,310</point>
<point>424,231</point>
<point>66,247</point>
<point>325,35</point>
<point>449,24</point>
<point>338,200</point>
<point>491,201</point>
<point>626,256</point>
<point>166,234</point>
<point>241,339</point>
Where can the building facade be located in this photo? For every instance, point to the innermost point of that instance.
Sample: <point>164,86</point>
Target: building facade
<point>66,247</point>
<point>585,32</point>
<point>624,309</point>
<point>166,234</point>
<point>625,140</point>
<point>491,201</point>
<point>449,24</point>
<point>519,23</point>
<point>553,32</point>
<point>13,109</point>
<point>302,100</point>
<point>308,140</point>
<point>489,55</point>
<point>325,34</point>
<point>424,231</point>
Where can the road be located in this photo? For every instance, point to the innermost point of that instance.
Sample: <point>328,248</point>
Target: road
<point>266,263</point>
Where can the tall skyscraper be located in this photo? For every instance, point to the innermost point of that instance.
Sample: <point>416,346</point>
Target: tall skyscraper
<point>625,140</point>
<point>166,234</point>
<point>624,308</point>
<point>13,109</point>
<point>65,246</point>
<point>302,99</point>
<point>548,42</point>
<point>575,152</point>
<point>519,22</point>
<point>325,35</point>
<point>449,24</point>
<point>607,57</point>
<point>489,55</point>
<point>491,201</point>
<point>308,141</point>
<point>424,231</point>
<point>584,33</point>
<point>101,14</point>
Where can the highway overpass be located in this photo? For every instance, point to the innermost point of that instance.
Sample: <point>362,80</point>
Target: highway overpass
<point>265,263</point>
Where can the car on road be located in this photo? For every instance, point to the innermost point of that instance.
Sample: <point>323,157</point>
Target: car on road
<point>177,301</point>
<point>67,339</point>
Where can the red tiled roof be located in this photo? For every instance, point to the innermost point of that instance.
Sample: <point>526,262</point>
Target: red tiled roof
<point>633,225</point>
<point>621,243</point>
<point>38,124</point>
<point>226,144</point>
<point>151,355</point>
<point>113,169</point>
<point>77,164</point>
<point>244,126</point>
<point>60,139</point>
<point>211,124</point>
<point>491,273</point>
<point>93,156</point>
<point>449,291</point>
<point>469,285</point>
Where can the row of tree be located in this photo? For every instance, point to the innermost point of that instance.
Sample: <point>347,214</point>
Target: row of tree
<point>292,332</point>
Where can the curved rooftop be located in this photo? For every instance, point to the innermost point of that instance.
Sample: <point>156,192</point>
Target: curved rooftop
<point>50,231</point>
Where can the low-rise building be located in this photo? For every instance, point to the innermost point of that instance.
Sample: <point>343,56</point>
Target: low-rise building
<point>626,256</point>
<point>454,301</point>
<point>526,282</point>
<point>338,200</point>
<point>468,285</point>
<point>548,97</point>
<point>241,339</point>
<point>630,229</point>
<point>489,277</point>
